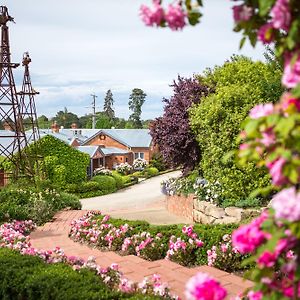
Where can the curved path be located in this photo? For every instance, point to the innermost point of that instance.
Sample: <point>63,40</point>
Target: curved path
<point>143,201</point>
<point>134,268</point>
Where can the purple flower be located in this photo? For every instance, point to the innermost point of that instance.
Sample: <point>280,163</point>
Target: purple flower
<point>242,13</point>
<point>266,33</point>
<point>291,74</point>
<point>276,171</point>
<point>287,205</point>
<point>154,16</point>
<point>281,15</point>
<point>175,17</point>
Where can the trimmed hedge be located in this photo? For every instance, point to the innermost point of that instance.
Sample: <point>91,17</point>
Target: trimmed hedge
<point>107,184</point>
<point>28,277</point>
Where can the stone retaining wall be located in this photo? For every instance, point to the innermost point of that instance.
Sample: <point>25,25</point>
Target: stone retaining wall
<point>181,206</point>
<point>207,213</point>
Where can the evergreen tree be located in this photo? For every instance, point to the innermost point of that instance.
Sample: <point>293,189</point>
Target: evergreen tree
<point>108,105</point>
<point>136,100</point>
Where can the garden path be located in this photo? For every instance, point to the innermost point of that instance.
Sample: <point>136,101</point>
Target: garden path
<point>134,268</point>
<point>143,201</point>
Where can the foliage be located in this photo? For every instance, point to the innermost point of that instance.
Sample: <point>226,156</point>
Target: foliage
<point>65,118</point>
<point>108,105</point>
<point>239,84</point>
<point>124,168</point>
<point>139,164</point>
<point>149,241</point>
<point>171,132</point>
<point>103,121</point>
<point>119,179</point>
<point>57,153</point>
<point>150,172</point>
<point>157,162</point>
<point>30,203</point>
<point>107,184</point>
<point>136,101</point>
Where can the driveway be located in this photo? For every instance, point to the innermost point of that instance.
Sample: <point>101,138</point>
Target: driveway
<point>143,201</point>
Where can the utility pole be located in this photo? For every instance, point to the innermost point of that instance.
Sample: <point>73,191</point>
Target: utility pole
<point>94,110</point>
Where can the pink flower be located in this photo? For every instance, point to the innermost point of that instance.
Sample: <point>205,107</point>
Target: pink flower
<point>154,16</point>
<point>248,237</point>
<point>261,110</point>
<point>288,101</point>
<point>244,146</point>
<point>242,13</point>
<point>266,33</point>
<point>276,171</point>
<point>267,259</point>
<point>287,205</point>
<point>291,74</point>
<point>268,138</point>
<point>175,17</point>
<point>281,15</point>
<point>204,287</point>
<point>255,295</point>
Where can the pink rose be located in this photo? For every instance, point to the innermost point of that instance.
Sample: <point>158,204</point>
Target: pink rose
<point>204,287</point>
<point>175,17</point>
<point>255,295</point>
<point>153,16</point>
<point>261,110</point>
<point>267,259</point>
<point>268,138</point>
<point>276,171</point>
<point>291,74</point>
<point>281,15</point>
<point>289,101</point>
<point>266,33</point>
<point>242,13</point>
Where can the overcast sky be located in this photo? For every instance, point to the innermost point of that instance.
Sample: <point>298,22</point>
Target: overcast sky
<point>83,47</point>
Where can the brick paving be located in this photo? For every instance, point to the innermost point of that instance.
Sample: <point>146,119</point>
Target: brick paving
<point>55,233</point>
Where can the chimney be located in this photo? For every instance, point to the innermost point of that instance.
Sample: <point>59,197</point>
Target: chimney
<point>7,126</point>
<point>74,126</point>
<point>55,127</point>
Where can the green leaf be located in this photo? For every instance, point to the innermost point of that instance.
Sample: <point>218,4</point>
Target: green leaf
<point>194,17</point>
<point>296,91</point>
<point>261,191</point>
<point>242,42</point>
<point>265,6</point>
<point>285,125</point>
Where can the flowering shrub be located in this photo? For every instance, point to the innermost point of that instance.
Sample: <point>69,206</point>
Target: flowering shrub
<point>13,236</point>
<point>207,191</point>
<point>176,186</point>
<point>226,257</point>
<point>102,171</point>
<point>139,164</point>
<point>124,168</point>
<point>184,250</point>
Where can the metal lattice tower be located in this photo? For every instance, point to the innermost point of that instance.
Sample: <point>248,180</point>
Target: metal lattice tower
<point>27,103</point>
<point>14,139</point>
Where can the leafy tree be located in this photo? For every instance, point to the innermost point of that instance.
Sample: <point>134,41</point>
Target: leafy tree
<point>108,105</point>
<point>171,132</point>
<point>103,121</point>
<point>136,101</point>
<point>65,118</point>
<point>239,84</point>
<point>85,121</point>
<point>43,122</point>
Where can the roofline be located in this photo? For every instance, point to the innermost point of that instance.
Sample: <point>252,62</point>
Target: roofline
<point>103,130</point>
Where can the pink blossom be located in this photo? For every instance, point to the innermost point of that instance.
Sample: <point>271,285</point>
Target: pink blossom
<point>224,248</point>
<point>261,110</point>
<point>242,13</point>
<point>244,146</point>
<point>153,16</point>
<point>291,74</point>
<point>281,15</point>
<point>267,259</point>
<point>287,205</point>
<point>175,17</point>
<point>288,101</point>
<point>204,287</point>
<point>276,171</point>
<point>255,295</point>
<point>268,138</point>
<point>266,33</point>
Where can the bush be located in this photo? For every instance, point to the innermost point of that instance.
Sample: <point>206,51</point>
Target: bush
<point>107,184</point>
<point>157,162</point>
<point>118,178</point>
<point>28,277</point>
<point>138,174</point>
<point>239,85</point>
<point>33,204</point>
<point>124,168</point>
<point>150,172</point>
<point>139,164</point>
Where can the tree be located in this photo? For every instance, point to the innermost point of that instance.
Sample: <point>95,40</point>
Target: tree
<point>103,121</point>
<point>136,101</point>
<point>43,122</point>
<point>65,118</point>
<point>171,132</point>
<point>108,105</point>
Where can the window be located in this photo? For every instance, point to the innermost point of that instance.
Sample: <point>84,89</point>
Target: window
<point>126,159</point>
<point>140,155</point>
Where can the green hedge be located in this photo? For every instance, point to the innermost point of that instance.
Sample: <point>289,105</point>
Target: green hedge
<point>28,277</point>
<point>107,184</point>
<point>239,85</point>
<point>62,163</point>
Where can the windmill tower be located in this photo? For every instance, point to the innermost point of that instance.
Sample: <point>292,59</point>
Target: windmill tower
<point>27,103</point>
<point>13,140</point>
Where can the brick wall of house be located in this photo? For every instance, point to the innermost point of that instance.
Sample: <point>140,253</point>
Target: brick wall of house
<point>146,151</point>
<point>108,142</point>
<point>181,206</point>
<point>117,159</point>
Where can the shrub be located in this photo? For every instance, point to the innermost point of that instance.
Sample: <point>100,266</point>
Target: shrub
<point>150,172</point>
<point>138,174</point>
<point>157,162</point>
<point>107,184</point>
<point>118,178</point>
<point>59,175</point>
<point>124,168</point>
<point>239,85</point>
<point>102,171</point>
<point>139,164</point>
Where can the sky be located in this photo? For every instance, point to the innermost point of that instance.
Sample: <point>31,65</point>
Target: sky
<point>83,47</point>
